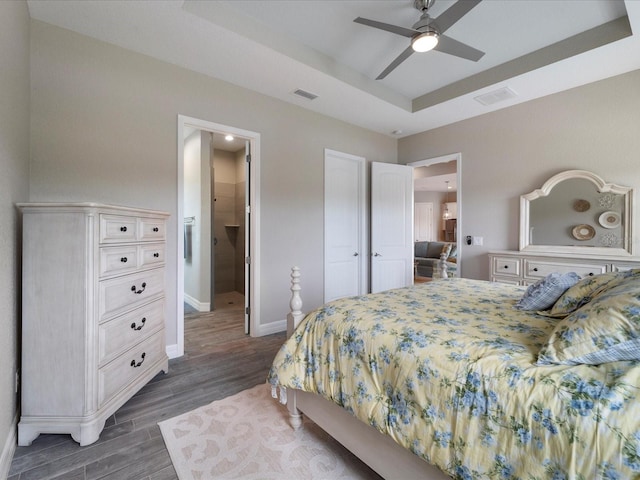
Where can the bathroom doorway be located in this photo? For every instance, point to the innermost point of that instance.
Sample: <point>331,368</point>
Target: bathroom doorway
<point>215,209</point>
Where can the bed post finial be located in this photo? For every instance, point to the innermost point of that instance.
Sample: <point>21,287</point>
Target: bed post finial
<point>295,315</point>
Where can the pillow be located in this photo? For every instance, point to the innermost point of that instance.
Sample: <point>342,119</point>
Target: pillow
<point>544,293</point>
<point>454,251</point>
<point>583,291</point>
<point>446,250</point>
<point>420,249</point>
<point>434,249</point>
<point>607,329</point>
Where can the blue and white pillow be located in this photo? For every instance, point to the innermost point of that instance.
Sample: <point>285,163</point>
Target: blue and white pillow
<point>607,329</point>
<point>544,293</point>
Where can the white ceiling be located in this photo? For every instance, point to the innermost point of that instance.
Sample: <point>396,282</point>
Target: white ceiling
<point>275,47</point>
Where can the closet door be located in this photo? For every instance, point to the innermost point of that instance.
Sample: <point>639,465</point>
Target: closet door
<point>391,226</point>
<point>344,217</point>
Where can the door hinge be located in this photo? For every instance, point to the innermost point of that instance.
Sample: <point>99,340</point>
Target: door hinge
<point>247,311</point>
<point>248,157</point>
<point>247,260</point>
<point>248,208</point>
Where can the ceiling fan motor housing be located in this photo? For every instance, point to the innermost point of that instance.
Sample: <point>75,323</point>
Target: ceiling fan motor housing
<point>423,5</point>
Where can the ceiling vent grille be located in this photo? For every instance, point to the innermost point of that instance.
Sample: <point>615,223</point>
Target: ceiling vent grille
<point>305,94</point>
<point>496,96</point>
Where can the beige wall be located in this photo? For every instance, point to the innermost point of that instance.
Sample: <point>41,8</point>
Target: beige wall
<point>104,128</point>
<point>515,150</point>
<point>14,177</point>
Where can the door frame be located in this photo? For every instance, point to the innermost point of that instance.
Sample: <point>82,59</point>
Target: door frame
<point>252,300</point>
<point>444,159</point>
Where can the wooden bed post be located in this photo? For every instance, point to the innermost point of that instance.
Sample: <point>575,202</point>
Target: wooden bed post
<point>294,317</point>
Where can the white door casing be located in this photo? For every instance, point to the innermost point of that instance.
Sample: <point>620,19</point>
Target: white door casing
<point>344,216</point>
<point>391,226</point>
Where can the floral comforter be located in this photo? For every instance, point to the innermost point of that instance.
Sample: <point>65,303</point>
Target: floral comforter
<point>447,369</point>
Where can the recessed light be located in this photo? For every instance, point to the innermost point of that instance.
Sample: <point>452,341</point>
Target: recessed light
<point>228,137</point>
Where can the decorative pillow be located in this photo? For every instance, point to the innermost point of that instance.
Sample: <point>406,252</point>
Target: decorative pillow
<point>454,251</point>
<point>446,250</point>
<point>544,293</point>
<point>583,291</point>
<point>607,329</point>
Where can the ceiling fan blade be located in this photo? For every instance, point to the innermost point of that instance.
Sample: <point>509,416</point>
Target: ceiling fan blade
<point>405,32</point>
<point>458,49</point>
<point>392,66</point>
<point>454,13</point>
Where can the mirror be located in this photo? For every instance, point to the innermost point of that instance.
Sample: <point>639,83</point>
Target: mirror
<point>577,212</point>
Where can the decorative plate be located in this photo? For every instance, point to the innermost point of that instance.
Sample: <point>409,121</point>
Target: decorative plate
<point>609,219</point>
<point>583,232</point>
<point>581,205</point>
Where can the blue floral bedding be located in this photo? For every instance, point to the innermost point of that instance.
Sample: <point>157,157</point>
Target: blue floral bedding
<point>447,369</point>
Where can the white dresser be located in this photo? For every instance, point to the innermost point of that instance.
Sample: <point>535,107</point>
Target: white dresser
<point>524,268</point>
<point>93,314</point>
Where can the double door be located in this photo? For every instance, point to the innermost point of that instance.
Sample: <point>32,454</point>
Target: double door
<point>350,260</point>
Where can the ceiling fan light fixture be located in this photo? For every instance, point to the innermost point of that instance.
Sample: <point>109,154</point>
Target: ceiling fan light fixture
<point>425,41</point>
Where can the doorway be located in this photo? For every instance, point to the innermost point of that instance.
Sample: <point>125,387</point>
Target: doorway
<point>219,218</point>
<point>437,181</point>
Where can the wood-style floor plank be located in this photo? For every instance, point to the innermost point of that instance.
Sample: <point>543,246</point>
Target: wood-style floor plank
<point>220,360</point>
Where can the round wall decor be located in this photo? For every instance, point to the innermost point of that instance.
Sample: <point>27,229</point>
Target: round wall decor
<point>581,205</point>
<point>609,219</point>
<point>583,232</point>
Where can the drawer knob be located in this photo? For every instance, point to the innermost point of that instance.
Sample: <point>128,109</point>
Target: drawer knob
<point>136,365</point>
<point>591,274</point>
<point>138,292</point>
<point>535,269</point>
<point>506,266</point>
<point>142,322</point>
<point>156,229</point>
<point>123,229</point>
<point>156,255</point>
<point>123,259</point>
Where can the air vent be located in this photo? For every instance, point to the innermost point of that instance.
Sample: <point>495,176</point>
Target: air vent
<point>496,96</point>
<point>305,94</point>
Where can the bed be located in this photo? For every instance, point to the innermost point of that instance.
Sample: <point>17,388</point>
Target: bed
<point>450,379</point>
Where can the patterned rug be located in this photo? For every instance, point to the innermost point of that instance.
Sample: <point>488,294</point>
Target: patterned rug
<point>248,436</point>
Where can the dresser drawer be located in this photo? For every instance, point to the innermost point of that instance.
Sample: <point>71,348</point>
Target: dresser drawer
<point>114,229</point>
<point>506,266</point>
<point>540,269</point>
<point>152,254</point>
<point>122,293</point>
<point>118,259</point>
<point>121,333</point>
<point>151,229</point>
<point>116,375</point>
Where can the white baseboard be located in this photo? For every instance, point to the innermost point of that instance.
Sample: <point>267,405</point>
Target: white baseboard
<point>173,351</point>
<point>9,448</point>
<point>269,328</point>
<point>199,306</point>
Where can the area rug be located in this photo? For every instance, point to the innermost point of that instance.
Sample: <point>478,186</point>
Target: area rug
<point>248,436</point>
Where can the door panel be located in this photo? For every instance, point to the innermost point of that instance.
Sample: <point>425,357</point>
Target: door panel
<point>344,225</point>
<point>391,226</point>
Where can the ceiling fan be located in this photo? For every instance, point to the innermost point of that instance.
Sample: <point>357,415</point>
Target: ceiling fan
<point>427,33</point>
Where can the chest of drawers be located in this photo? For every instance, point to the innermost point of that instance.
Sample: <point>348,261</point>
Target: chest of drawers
<point>522,268</point>
<point>93,314</point>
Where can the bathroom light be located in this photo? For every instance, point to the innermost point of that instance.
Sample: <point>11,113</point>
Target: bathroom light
<point>228,137</point>
<point>425,41</point>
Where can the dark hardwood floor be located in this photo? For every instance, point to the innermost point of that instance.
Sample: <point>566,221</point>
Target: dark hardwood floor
<point>220,360</point>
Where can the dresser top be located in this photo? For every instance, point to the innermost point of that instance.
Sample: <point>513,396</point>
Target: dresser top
<point>40,207</point>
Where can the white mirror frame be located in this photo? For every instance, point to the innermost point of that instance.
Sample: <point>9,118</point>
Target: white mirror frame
<point>603,187</point>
